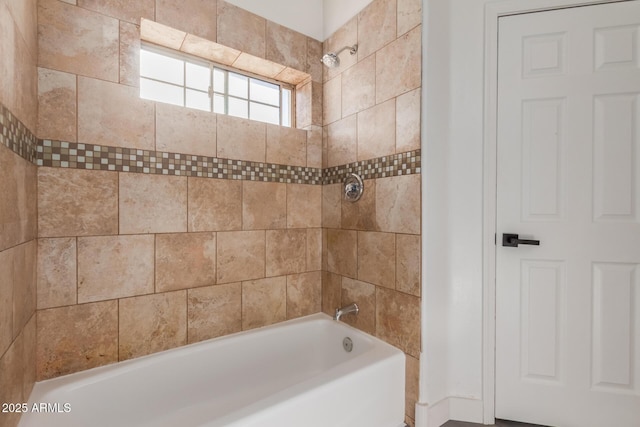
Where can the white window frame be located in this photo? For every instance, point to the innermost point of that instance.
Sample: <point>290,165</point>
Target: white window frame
<point>283,87</point>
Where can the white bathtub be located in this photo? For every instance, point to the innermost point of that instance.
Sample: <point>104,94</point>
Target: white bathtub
<point>294,373</point>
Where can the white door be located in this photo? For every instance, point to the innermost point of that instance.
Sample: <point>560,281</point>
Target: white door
<point>568,310</point>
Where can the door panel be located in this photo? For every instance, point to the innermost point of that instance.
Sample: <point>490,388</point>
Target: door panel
<point>568,311</point>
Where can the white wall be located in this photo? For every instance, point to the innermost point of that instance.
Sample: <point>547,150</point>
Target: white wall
<point>452,209</point>
<point>339,12</point>
<point>314,18</point>
<point>304,16</point>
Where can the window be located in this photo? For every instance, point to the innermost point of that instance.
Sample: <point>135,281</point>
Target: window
<point>181,80</point>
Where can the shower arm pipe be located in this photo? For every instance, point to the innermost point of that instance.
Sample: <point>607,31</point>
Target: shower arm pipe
<point>352,50</point>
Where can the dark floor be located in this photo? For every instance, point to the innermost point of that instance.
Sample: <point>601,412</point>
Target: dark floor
<point>499,423</point>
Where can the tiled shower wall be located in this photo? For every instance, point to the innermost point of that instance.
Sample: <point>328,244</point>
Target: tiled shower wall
<point>134,263</point>
<point>372,110</point>
<point>18,112</point>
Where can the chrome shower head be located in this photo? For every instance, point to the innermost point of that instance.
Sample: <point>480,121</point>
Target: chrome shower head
<point>331,59</point>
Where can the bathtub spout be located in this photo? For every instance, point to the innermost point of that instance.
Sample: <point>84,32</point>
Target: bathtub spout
<point>351,308</point>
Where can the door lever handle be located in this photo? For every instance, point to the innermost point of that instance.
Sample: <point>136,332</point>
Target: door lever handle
<point>512,241</point>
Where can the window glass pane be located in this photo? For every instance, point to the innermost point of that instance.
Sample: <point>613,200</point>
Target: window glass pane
<point>160,67</point>
<point>162,92</point>
<point>198,77</point>
<point>265,92</point>
<point>286,107</point>
<point>265,113</point>
<point>218,104</point>
<point>238,108</point>
<point>238,85</point>
<point>199,100</point>
<point>218,80</point>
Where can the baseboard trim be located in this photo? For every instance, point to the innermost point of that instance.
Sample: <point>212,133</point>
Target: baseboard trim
<point>450,408</point>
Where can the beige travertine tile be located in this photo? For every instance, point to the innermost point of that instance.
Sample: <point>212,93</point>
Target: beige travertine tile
<point>286,252</point>
<point>25,15</point>
<point>185,130</point>
<point>114,267</point>
<point>331,292</point>
<point>24,284</point>
<point>103,120</point>
<point>325,147</point>
<point>13,188</point>
<point>56,105</point>
<point>377,258</point>
<point>331,201</point>
<point>264,205</point>
<point>412,379</point>
<point>409,15</point>
<point>11,380</point>
<point>75,338</point>
<point>304,294</point>
<point>152,203</point>
<point>214,204</point>
<point>359,86</point>
<point>6,299</point>
<point>162,35</point>
<point>286,46</point>
<point>325,250</point>
<point>304,105</point>
<point>129,54</point>
<point>314,54</point>
<point>377,131</point>
<point>8,43</point>
<point>286,146</point>
<point>240,256</point>
<point>193,16</point>
<point>258,65</point>
<point>342,141</point>
<point>314,249</point>
<point>125,10</point>
<point>209,50</point>
<point>185,260</point>
<point>332,100</point>
<point>151,323</point>
<point>95,54</point>
<point>342,249</point>
<point>317,103</point>
<point>241,139</point>
<point>240,29</point>
<point>376,26</point>
<point>363,294</point>
<point>360,215</point>
<point>398,204</point>
<point>347,35</point>
<point>26,85</point>
<point>264,302</point>
<point>293,76</point>
<point>56,272</point>
<point>408,264</point>
<point>18,199</point>
<point>398,66</point>
<point>304,206</point>
<point>314,146</point>
<point>73,202</point>
<point>214,311</point>
<point>398,320</point>
<point>408,121</point>
<point>29,357</point>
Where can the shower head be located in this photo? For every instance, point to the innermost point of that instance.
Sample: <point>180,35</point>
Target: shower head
<point>331,59</point>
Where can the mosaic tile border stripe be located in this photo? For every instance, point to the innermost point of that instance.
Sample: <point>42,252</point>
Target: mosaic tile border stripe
<point>16,137</point>
<point>407,163</point>
<point>96,157</point>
